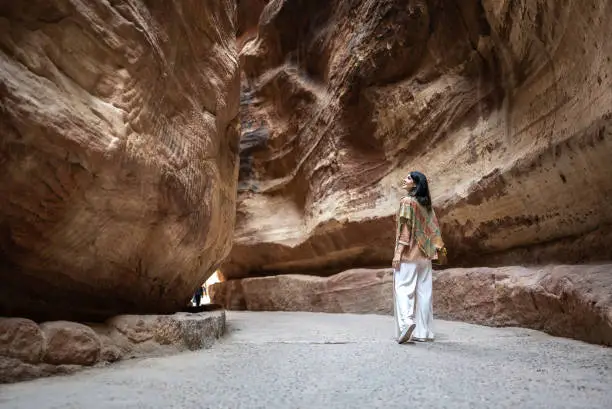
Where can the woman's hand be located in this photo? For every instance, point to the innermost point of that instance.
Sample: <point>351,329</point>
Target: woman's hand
<point>396,263</point>
<point>397,257</point>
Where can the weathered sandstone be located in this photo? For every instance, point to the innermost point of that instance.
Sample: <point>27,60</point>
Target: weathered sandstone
<point>359,291</point>
<point>21,339</point>
<point>505,105</point>
<point>70,343</point>
<point>118,153</point>
<point>29,351</point>
<point>569,301</point>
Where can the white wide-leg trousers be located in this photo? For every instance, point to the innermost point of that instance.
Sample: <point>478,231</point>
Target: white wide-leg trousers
<point>412,285</point>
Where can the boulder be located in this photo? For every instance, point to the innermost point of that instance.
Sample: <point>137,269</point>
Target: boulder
<point>569,301</point>
<point>359,291</point>
<point>28,351</point>
<point>503,105</point>
<point>70,343</point>
<point>180,331</point>
<point>136,328</point>
<point>118,154</point>
<point>200,331</point>
<point>110,353</point>
<point>21,339</point>
<point>572,301</point>
<point>229,294</point>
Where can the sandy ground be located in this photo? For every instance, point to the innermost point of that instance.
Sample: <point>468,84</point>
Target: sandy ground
<point>306,360</point>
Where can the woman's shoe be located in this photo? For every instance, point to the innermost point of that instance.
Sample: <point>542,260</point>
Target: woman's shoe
<point>422,339</point>
<point>406,333</point>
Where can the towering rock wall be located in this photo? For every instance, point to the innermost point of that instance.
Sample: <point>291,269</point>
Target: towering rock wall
<point>505,105</point>
<point>118,153</point>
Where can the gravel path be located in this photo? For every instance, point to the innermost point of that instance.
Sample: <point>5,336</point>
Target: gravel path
<point>305,360</point>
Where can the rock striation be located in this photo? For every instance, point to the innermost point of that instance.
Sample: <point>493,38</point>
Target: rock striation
<point>570,301</point>
<point>504,105</point>
<point>118,153</point>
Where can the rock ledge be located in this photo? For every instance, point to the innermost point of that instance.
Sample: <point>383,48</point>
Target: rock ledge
<point>29,350</point>
<point>563,300</point>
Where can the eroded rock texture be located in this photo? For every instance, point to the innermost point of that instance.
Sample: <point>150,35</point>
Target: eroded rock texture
<point>118,153</point>
<point>505,105</point>
<point>29,350</point>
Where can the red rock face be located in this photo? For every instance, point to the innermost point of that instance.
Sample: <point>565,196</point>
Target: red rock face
<point>118,153</point>
<point>504,105</point>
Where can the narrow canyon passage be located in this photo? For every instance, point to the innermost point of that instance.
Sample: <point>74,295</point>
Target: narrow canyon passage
<point>298,360</point>
<point>146,145</point>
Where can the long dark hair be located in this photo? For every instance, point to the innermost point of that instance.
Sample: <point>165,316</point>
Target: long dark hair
<point>420,191</point>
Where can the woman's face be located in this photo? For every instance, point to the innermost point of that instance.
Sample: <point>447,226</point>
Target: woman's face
<point>407,183</point>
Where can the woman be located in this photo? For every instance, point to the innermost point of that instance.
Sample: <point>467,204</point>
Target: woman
<point>418,242</point>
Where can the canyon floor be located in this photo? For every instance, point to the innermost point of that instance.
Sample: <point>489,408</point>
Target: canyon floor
<point>309,360</point>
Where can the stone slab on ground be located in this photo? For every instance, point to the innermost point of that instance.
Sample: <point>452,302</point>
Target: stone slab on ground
<point>293,360</point>
<point>61,347</point>
<point>570,301</point>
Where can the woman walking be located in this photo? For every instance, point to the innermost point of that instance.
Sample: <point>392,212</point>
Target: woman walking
<point>418,242</point>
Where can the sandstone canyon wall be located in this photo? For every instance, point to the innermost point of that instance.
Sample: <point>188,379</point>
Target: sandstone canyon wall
<point>118,153</point>
<point>505,105</point>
